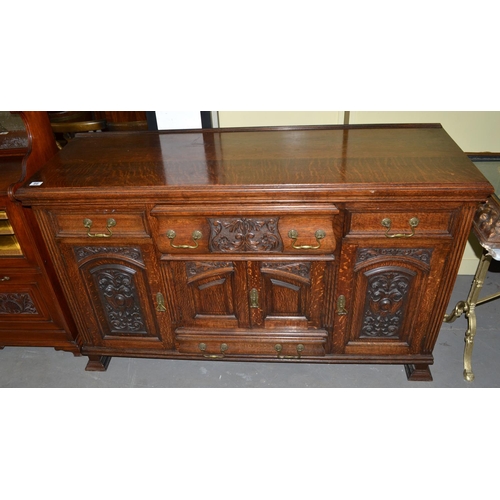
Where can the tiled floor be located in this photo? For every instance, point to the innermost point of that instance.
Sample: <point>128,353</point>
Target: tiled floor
<point>42,367</point>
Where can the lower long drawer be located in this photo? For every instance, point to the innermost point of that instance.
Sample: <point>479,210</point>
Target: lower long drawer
<point>221,345</point>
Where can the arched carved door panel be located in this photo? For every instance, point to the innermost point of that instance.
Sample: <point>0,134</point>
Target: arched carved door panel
<point>386,292</point>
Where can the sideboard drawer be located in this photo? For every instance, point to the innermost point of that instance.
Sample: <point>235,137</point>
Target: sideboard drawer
<point>100,224</point>
<point>21,299</point>
<point>247,345</point>
<point>246,234</point>
<point>396,224</point>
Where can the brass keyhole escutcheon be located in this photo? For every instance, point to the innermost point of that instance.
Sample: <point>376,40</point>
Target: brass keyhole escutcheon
<point>254,298</point>
<point>160,303</point>
<point>341,310</point>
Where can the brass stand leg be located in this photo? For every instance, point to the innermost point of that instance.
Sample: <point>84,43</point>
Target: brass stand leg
<point>469,308</point>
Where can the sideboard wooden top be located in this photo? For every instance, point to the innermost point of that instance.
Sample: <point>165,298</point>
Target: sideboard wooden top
<point>352,162</point>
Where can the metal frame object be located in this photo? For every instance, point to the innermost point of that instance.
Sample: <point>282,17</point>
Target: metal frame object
<point>486,228</point>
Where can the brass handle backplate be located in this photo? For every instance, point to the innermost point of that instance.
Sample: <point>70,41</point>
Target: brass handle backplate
<point>278,348</point>
<point>196,236</point>
<point>203,347</point>
<point>319,235</point>
<point>341,310</point>
<point>160,303</point>
<point>413,222</point>
<point>254,298</point>
<point>109,224</point>
<point>5,278</point>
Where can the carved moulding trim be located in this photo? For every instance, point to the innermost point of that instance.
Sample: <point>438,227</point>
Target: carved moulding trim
<point>301,269</point>
<point>241,234</point>
<point>195,268</point>
<point>421,254</point>
<point>82,253</point>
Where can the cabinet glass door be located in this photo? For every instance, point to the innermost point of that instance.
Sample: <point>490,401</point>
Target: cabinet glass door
<point>9,246</point>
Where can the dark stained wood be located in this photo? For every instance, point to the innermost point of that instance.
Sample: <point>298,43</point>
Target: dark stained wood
<point>33,310</point>
<point>123,120</point>
<point>371,161</point>
<point>262,244</point>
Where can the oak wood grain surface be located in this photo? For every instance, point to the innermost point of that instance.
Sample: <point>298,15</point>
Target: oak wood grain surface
<point>350,161</point>
<point>201,261</point>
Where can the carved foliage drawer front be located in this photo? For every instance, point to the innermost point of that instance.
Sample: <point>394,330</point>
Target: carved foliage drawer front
<point>20,299</point>
<point>101,224</point>
<point>246,234</point>
<point>400,224</point>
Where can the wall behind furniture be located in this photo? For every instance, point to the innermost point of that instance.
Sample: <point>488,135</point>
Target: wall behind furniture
<point>279,118</point>
<point>473,131</point>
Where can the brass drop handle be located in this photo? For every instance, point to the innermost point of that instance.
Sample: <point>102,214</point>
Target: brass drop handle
<point>160,303</point>
<point>223,348</point>
<point>319,235</point>
<point>109,224</point>
<point>341,310</point>
<point>5,278</point>
<point>196,236</point>
<point>413,224</point>
<point>278,348</point>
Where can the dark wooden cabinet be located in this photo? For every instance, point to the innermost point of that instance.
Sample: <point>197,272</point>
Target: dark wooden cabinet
<point>33,310</point>
<point>316,244</point>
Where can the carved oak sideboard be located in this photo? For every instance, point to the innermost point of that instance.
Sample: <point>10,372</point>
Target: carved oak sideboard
<point>318,244</point>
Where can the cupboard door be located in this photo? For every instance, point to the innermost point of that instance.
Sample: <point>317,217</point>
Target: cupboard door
<point>210,294</point>
<point>248,294</point>
<point>385,295</point>
<point>290,294</point>
<point>120,298</point>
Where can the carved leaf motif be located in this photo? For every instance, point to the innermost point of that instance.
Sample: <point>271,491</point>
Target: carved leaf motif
<point>120,301</point>
<point>487,222</point>
<point>16,303</point>
<point>132,253</point>
<point>383,314</point>
<point>422,254</point>
<point>245,235</point>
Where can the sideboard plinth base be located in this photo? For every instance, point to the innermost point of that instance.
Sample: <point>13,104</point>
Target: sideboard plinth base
<point>418,373</point>
<point>98,363</point>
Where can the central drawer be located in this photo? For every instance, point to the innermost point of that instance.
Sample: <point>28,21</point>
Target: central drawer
<point>272,346</point>
<point>246,232</point>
